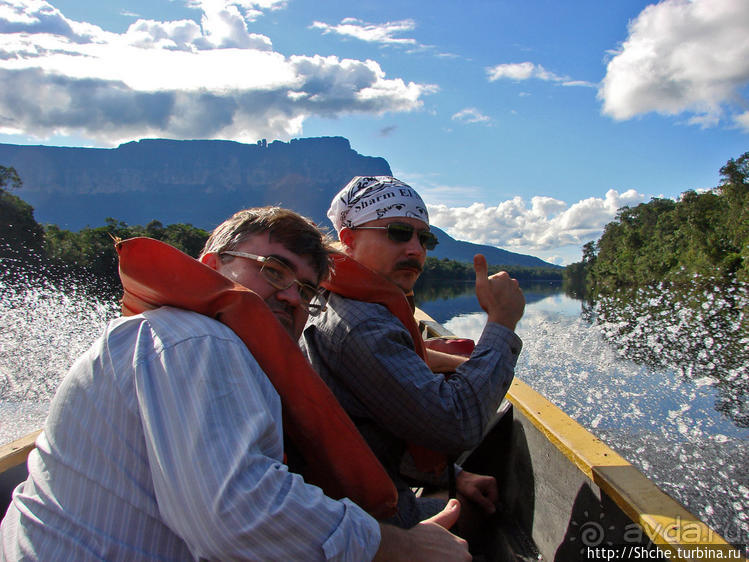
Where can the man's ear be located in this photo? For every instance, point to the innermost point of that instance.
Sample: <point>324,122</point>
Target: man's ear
<point>210,259</point>
<point>347,238</point>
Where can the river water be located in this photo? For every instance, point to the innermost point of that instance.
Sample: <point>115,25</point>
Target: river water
<point>661,377</point>
<point>664,384</point>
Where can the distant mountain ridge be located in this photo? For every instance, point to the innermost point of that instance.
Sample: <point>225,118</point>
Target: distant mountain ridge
<point>460,250</point>
<point>201,182</point>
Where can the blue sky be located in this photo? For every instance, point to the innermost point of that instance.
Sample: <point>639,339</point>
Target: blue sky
<point>523,124</point>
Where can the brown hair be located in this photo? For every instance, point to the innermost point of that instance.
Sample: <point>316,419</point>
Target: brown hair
<point>296,233</point>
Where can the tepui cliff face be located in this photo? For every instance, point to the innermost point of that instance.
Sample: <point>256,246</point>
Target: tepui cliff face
<point>201,182</point>
<point>197,182</point>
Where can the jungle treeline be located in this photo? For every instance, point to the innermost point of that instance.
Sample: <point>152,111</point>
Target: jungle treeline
<point>90,252</point>
<point>87,254</point>
<point>703,235</point>
<point>446,270</point>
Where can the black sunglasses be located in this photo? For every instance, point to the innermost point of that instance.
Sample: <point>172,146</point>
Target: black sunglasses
<point>402,232</point>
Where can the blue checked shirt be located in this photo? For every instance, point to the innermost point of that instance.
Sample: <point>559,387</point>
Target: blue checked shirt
<point>366,356</point>
<point>164,442</point>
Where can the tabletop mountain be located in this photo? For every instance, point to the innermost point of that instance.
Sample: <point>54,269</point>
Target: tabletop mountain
<point>200,182</point>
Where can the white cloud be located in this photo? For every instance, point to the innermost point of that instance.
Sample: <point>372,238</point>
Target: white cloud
<point>743,120</point>
<point>519,71</point>
<point>682,56</point>
<point>37,16</point>
<point>383,33</point>
<point>250,9</point>
<point>549,228</point>
<point>175,79</point>
<point>471,115</point>
<point>583,83</point>
<point>224,24</point>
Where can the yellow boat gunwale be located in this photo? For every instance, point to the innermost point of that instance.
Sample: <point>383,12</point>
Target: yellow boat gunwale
<point>666,522</point>
<point>14,453</point>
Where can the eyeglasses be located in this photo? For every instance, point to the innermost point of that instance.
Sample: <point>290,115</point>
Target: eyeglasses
<point>281,277</point>
<point>402,232</point>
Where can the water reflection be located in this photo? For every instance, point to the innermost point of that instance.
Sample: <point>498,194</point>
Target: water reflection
<point>701,331</point>
<point>445,301</point>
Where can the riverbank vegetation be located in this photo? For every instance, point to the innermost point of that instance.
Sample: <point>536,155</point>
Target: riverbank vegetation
<point>703,234</point>
<point>93,248</point>
<point>92,251</point>
<point>88,253</point>
<point>444,270</point>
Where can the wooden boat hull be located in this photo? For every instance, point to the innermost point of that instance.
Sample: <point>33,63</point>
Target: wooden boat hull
<point>13,466</point>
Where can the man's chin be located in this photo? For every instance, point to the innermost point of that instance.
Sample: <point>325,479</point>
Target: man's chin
<point>405,279</point>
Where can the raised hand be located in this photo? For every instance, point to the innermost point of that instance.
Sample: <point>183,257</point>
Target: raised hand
<point>499,295</point>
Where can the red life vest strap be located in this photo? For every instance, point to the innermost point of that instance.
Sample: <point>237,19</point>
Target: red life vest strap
<point>338,459</point>
<point>451,345</point>
<point>355,281</point>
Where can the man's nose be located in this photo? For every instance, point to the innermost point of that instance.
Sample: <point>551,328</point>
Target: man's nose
<point>290,295</point>
<point>414,247</point>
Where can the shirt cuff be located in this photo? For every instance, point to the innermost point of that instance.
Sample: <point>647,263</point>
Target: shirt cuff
<point>356,538</point>
<point>498,336</point>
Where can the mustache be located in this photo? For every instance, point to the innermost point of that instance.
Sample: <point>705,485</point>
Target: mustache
<point>409,264</point>
<point>281,307</point>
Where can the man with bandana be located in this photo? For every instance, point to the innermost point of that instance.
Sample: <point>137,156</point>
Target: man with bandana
<point>367,347</point>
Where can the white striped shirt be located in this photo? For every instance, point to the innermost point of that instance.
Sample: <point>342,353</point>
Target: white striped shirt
<point>164,442</point>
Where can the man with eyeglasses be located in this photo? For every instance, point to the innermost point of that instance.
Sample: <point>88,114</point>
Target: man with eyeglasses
<point>367,347</point>
<point>164,441</point>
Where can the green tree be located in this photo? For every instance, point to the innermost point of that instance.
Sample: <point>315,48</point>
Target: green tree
<point>19,232</point>
<point>155,229</point>
<point>734,186</point>
<point>185,237</point>
<point>92,249</point>
<point>576,275</point>
<point>62,245</point>
<point>437,270</point>
<point>9,178</point>
<point>663,240</point>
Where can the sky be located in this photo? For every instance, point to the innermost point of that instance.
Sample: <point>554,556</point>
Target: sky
<point>523,124</point>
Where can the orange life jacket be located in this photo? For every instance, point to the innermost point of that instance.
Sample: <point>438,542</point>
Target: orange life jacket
<point>353,280</point>
<point>337,458</point>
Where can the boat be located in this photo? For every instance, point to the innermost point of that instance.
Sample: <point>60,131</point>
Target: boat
<point>13,471</point>
<point>563,493</point>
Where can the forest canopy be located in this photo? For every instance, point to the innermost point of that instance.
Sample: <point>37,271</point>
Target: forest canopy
<point>91,250</point>
<point>703,233</point>
<point>88,252</point>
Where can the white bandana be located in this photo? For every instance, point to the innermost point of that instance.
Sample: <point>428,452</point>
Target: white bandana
<point>366,199</point>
